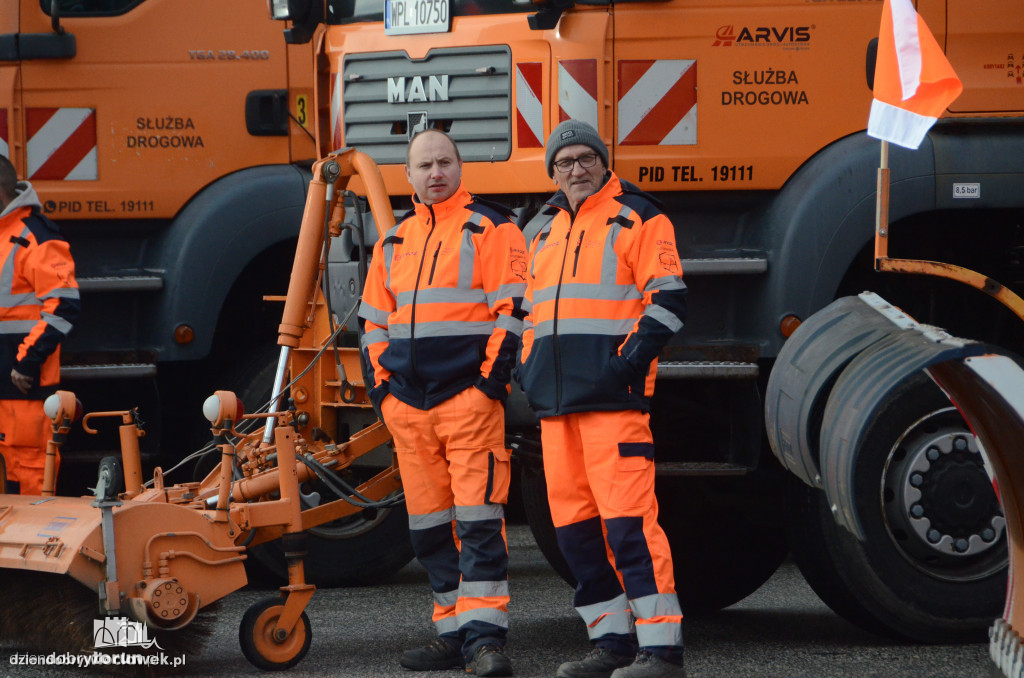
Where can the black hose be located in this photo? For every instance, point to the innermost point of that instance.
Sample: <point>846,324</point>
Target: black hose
<point>360,238</point>
<point>334,482</point>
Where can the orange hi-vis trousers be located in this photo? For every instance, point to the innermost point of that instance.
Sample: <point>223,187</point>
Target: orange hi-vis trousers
<point>455,472</point>
<point>599,468</point>
<point>24,432</point>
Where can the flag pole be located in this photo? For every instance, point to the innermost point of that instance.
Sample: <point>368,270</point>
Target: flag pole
<point>882,208</point>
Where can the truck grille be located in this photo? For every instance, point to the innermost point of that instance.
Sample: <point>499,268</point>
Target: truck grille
<point>465,91</point>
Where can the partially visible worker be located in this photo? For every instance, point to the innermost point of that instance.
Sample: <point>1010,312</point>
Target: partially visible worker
<point>39,305</point>
<point>604,295</point>
<point>442,319</point>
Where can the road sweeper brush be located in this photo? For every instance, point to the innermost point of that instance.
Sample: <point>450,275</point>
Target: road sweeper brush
<point>161,554</point>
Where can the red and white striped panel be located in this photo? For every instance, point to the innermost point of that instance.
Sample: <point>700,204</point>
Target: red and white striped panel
<point>577,90</point>
<point>657,102</point>
<point>5,146</point>
<point>530,104</point>
<point>336,111</point>
<point>61,143</point>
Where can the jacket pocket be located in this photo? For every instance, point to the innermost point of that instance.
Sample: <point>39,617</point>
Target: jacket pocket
<point>624,377</point>
<point>536,376</point>
<point>634,478</point>
<point>498,476</point>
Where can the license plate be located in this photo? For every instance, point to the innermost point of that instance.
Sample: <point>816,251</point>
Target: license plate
<point>403,17</point>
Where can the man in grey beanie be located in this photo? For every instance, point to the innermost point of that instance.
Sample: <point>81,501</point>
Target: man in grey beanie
<point>604,294</point>
<point>569,133</point>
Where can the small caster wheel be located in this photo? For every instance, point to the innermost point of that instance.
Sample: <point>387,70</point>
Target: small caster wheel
<point>261,648</point>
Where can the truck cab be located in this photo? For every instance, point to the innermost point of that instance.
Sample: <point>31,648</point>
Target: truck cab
<point>169,140</point>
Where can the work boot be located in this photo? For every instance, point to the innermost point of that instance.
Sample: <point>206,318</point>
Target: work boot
<point>437,655</point>
<point>599,663</point>
<point>648,665</point>
<point>489,660</point>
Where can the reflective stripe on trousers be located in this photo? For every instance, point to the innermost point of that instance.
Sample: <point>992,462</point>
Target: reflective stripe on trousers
<point>599,468</point>
<point>455,472</point>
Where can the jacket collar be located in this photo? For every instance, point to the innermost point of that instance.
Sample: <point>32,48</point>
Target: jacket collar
<point>25,196</point>
<point>442,210</point>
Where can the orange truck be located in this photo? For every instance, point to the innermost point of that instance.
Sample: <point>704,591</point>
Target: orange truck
<point>172,142</point>
<point>746,119</point>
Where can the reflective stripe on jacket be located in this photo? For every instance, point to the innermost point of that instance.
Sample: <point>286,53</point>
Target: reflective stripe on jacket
<point>442,307</point>
<point>604,295</point>
<point>39,301</point>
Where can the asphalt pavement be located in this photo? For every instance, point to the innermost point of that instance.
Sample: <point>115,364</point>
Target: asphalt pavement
<point>782,630</point>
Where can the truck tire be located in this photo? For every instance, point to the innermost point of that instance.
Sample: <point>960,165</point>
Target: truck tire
<point>365,548</point>
<point>720,554</point>
<point>719,557</point>
<point>803,375</point>
<point>905,580</point>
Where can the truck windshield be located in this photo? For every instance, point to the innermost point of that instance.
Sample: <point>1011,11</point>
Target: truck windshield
<point>90,7</point>
<point>351,11</point>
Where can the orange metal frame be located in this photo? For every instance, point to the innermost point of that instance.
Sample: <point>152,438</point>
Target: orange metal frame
<point>883,262</point>
<point>188,540</point>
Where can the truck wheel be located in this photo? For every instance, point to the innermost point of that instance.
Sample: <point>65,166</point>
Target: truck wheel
<point>803,375</point>
<point>719,556</point>
<point>933,565</point>
<point>359,550</point>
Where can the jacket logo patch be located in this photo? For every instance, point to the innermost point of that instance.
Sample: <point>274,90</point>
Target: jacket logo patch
<point>669,261</point>
<point>403,255</point>
<point>549,245</point>
<point>518,264</point>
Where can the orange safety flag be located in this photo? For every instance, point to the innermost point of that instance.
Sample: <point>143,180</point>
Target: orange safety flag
<point>914,82</point>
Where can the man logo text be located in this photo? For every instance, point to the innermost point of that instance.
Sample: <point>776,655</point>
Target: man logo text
<point>403,90</point>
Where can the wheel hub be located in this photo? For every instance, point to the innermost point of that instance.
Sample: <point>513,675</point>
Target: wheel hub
<point>940,503</point>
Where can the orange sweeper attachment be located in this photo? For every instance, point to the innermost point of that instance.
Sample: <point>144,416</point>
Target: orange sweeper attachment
<point>163,554</point>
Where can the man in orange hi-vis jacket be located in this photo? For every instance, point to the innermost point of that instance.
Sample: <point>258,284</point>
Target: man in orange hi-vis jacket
<point>442,317</point>
<point>39,305</point>
<point>604,295</point>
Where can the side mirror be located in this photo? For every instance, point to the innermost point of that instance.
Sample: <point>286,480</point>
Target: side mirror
<point>55,17</point>
<point>872,58</point>
<point>305,16</point>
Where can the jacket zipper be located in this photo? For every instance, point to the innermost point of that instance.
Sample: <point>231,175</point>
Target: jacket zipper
<point>415,293</point>
<point>576,259</point>
<point>554,323</point>
<point>433,266</point>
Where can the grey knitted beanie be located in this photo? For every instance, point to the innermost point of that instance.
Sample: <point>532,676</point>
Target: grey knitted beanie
<point>569,133</point>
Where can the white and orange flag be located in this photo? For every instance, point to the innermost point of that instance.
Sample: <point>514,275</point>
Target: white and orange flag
<point>914,82</point>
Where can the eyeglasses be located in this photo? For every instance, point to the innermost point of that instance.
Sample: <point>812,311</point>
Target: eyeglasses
<point>586,161</point>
